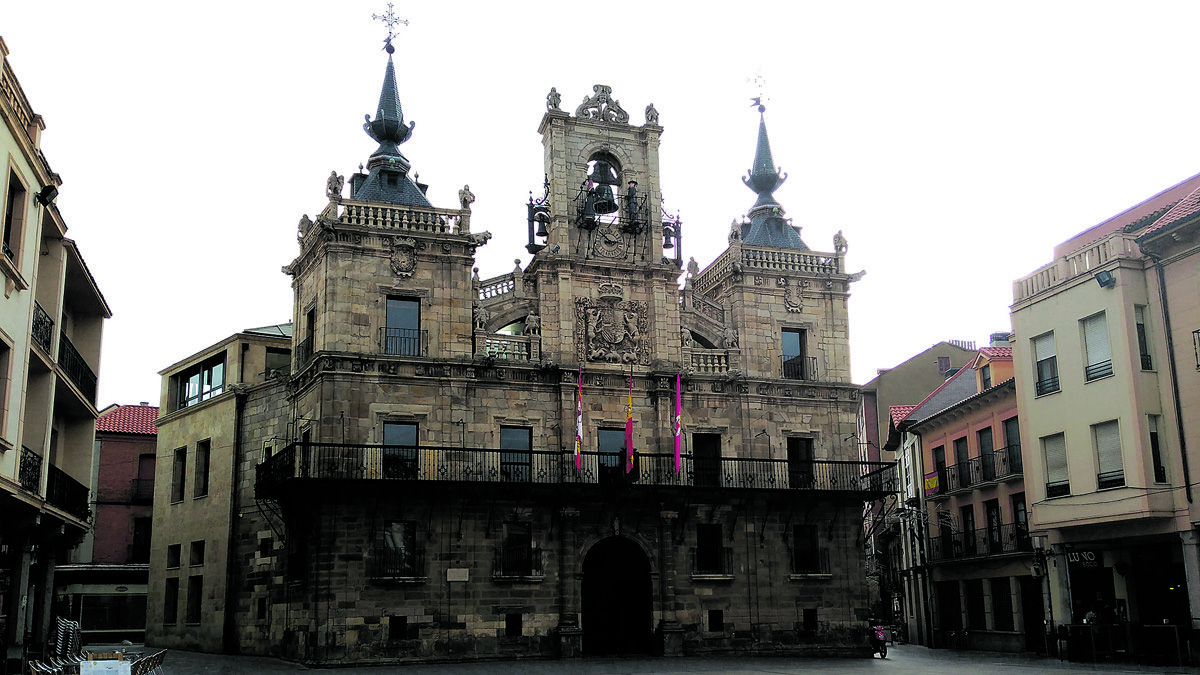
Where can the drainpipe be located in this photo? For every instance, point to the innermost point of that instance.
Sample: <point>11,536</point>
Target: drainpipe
<point>1162,295</point>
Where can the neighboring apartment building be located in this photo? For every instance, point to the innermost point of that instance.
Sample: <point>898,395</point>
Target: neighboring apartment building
<point>105,589</point>
<point>444,471</point>
<point>51,317</point>
<point>197,484</point>
<point>982,588</point>
<point>1108,382</point>
<point>908,382</point>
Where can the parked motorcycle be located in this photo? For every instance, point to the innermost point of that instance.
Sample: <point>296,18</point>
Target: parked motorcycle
<point>878,639</point>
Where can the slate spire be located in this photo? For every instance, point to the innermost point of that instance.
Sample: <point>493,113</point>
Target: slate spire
<point>768,227</point>
<point>388,126</point>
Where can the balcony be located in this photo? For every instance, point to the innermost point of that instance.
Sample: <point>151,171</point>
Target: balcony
<point>511,348</point>
<point>404,341</point>
<point>30,472</point>
<point>798,367</point>
<point>1096,371</point>
<point>43,328</point>
<point>398,564</point>
<point>67,493</point>
<point>76,369</point>
<point>299,464</point>
<point>808,561</point>
<point>304,351</point>
<point>712,561</point>
<point>517,562</point>
<point>998,465</point>
<point>1006,539</point>
<point>1046,386</point>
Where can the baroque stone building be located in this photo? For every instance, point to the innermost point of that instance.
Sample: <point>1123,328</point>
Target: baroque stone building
<point>444,472</point>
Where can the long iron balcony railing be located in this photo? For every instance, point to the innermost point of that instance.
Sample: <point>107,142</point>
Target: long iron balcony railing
<point>992,466</point>
<point>43,327</point>
<point>67,493</point>
<point>76,368</point>
<point>1004,539</point>
<point>333,461</point>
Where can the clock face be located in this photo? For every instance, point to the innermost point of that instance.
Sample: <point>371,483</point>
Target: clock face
<point>607,242</point>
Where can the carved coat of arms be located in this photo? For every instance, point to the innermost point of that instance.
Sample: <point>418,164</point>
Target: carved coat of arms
<point>404,257</point>
<point>611,330</point>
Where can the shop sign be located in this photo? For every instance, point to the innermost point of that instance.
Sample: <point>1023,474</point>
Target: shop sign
<point>1083,558</point>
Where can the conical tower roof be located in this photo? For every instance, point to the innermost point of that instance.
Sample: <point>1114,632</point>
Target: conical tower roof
<point>768,227</point>
<point>387,169</point>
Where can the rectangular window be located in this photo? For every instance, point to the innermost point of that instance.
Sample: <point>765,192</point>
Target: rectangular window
<point>1021,522</point>
<point>1012,444</point>
<point>1107,437</point>
<point>611,444</point>
<point>1160,469</point>
<point>706,452</point>
<point>806,550</point>
<point>716,620</point>
<point>800,462</point>
<point>1139,317</point>
<point>987,456</point>
<point>139,550</point>
<point>991,512</point>
<point>512,625</point>
<point>943,364</point>
<point>966,516</point>
<point>1054,449</point>
<point>516,460</point>
<point>202,455</point>
<point>1046,364</point>
<point>1095,343</point>
<point>810,618</point>
<point>14,218</point>
<point>197,554</point>
<point>939,465</point>
<point>173,555</point>
<point>400,450</point>
<point>516,554</point>
<point>710,554</point>
<point>985,377</point>
<point>171,601</point>
<point>1002,604</point>
<point>402,335</point>
<point>5,375</point>
<point>195,595</point>
<point>976,614</point>
<point>278,361</point>
<point>962,465</point>
<point>201,382</point>
<point>178,474</point>
<point>398,557</point>
<point>796,365</point>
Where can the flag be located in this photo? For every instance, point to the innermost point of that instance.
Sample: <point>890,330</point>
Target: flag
<point>678,419</point>
<point>579,424</point>
<point>629,429</point>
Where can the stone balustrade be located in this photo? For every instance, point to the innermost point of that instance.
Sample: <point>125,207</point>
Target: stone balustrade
<point>1077,263</point>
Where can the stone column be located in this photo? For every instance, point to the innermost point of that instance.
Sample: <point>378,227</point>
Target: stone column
<point>570,636</point>
<point>1191,570</point>
<point>669,630</point>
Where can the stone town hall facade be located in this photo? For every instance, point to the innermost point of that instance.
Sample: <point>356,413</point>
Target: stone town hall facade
<point>410,490</point>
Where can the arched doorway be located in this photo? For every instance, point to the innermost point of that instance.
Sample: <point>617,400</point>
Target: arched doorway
<point>617,612</point>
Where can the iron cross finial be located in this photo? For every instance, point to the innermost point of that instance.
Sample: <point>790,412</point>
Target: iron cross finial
<point>391,21</point>
<point>759,82</point>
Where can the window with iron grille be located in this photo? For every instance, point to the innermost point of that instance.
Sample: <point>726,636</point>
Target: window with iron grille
<point>1054,449</point>
<point>1139,317</point>
<point>1160,469</point>
<point>400,450</point>
<point>1045,364</point>
<point>402,335</point>
<point>1107,437</point>
<point>398,557</point>
<point>516,443</point>
<point>1096,348</point>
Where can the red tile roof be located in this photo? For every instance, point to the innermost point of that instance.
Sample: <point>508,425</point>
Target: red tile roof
<point>899,412</point>
<point>1165,201</point>
<point>995,353</point>
<point>1187,207</point>
<point>128,419</point>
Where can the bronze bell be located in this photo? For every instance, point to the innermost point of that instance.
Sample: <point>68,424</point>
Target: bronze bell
<point>541,215</point>
<point>668,236</point>
<point>604,178</point>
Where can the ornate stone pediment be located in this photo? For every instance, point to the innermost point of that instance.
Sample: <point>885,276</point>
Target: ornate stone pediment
<point>611,330</point>
<point>601,106</point>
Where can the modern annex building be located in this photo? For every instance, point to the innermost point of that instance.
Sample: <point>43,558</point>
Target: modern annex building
<point>578,457</point>
<point>51,318</point>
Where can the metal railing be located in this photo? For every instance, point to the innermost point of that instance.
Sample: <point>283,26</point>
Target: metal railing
<point>43,328</point>
<point>77,370</point>
<point>398,564</point>
<point>332,461</point>
<point>1096,371</point>
<point>1110,479</point>
<point>995,465</point>
<point>810,561</point>
<point>798,367</point>
<point>1047,386</point>
<point>29,474</point>
<point>1005,539</point>
<point>518,561</point>
<point>404,341</point>
<point>712,560</point>
<point>1060,488</point>
<point>304,351</point>
<point>67,493</point>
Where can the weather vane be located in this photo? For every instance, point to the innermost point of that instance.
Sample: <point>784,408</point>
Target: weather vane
<point>760,83</point>
<point>391,21</point>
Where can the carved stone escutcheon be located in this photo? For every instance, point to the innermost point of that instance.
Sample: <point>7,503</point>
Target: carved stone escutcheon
<point>612,330</point>
<point>404,257</point>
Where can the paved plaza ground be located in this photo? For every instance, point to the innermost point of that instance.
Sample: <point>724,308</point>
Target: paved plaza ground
<point>901,660</point>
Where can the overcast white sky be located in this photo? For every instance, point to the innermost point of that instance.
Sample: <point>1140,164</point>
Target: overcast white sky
<point>953,143</point>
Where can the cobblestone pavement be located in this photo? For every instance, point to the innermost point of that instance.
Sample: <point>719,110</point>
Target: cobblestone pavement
<point>901,660</point>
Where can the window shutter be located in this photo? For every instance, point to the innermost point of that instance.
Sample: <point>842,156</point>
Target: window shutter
<point>1043,347</point>
<point>1108,447</point>
<point>1056,458</point>
<point>1095,337</point>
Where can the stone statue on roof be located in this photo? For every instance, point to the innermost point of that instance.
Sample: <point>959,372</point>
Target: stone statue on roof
<point>840,244</point>
<point>334,185</point>
<point>651,114</point>
<point>553,99</point>
<point>466,197</point>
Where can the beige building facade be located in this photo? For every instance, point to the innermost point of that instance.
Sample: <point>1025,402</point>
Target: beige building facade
<point>51,320</point>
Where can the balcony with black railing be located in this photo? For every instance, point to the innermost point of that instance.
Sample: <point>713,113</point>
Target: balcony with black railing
<point>1047,385</point>
<point>798,367</point>
<point>518,562</point>
<point>29,473</point>
<point>399,564</point>
<point>404,341</point>
<point>1095,371</point>
<point>993,466</point>
<point>304,351</point>
<point>958,545</point>
<point>300,464</point>
<point>67,493</point>
<point>43,328</point>
<point>76,369</point>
